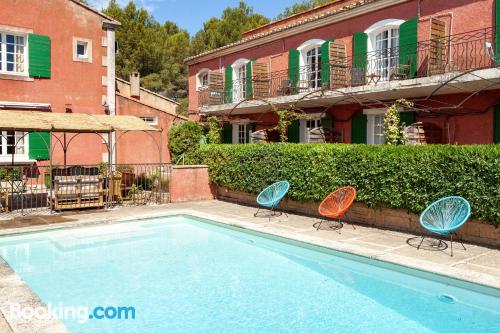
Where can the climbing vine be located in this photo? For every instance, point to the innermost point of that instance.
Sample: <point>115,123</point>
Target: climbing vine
<point>394,133</point>
<point>214,130</point>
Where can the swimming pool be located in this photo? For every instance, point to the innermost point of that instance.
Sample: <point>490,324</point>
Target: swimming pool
<point>185,275</point>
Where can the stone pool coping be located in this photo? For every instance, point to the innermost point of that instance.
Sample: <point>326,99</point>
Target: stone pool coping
<point>13,289</point>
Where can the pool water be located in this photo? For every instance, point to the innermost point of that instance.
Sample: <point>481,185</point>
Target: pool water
<point>185,275</point>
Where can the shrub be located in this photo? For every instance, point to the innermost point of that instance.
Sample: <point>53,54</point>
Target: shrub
<point>409,177</point>
<point>214,130</point>
<point>184,142</point>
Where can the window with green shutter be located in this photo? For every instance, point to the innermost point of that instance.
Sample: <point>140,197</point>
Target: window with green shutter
<point>294,132</point>
<point>408,45</point>
<point>294,69</point>
<point>325,62</point>
<point>327,121</point>
<point>39,56</point>
<point>250,128</point>
<point>496,124</point>
<point>228,85</point>
<point>360,50</point>
<point>227,133</point>
<point>39,145</point>
<point>358,128</point>
<point>497,30</point>
<point>407,117</point>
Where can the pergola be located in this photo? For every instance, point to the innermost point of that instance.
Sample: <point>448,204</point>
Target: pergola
<point>75,123</point>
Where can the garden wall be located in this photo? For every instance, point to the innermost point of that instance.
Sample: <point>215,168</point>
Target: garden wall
<point>190,183</point>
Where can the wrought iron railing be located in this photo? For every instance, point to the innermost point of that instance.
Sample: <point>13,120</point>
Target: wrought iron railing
<point>37,189</point>
<point>454,53</point>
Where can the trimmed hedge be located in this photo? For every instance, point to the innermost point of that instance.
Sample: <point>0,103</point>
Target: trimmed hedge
<point>409,177</point>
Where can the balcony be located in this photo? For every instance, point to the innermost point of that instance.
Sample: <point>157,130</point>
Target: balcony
<point>406,71</point>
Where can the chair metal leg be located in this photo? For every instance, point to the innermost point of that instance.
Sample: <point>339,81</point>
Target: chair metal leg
<point>421,241</point>
<point>255,214</point>
<point>319,224</point>
<point>349,220</point>
<point>460,240</point>
<point>451,243</point>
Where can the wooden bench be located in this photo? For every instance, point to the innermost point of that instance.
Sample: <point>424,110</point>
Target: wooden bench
<point>73,192</point>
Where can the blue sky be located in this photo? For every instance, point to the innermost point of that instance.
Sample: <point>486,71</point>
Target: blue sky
<point>190,14</point>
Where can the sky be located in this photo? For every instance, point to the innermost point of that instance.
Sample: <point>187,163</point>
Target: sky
<point>190,14</point>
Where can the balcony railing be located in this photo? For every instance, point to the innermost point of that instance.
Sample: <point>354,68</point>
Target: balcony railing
<point>454,53</point>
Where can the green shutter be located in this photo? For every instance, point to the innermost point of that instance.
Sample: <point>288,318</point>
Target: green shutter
<point>358,123</point>
<point>327,121</point>
<point>249,83</point>
<point>294,132</point>
<point>360,50</point>
<point>497,30</point>
<point>250,128</point>
<point>496,124</point>
<point>39,145</point>
<point>39,56</point>
<point>408,45</point>
<point>228,85</point>
<point>294,69</point>
<point>407,117</point>
<point>325,62</point>
<point>227,133</point>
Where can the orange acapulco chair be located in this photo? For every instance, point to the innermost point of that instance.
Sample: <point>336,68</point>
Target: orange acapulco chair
<point>336,205</point>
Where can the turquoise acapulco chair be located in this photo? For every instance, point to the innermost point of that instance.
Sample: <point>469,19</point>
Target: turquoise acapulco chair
<point>444,217</point>
<point>271,196</point>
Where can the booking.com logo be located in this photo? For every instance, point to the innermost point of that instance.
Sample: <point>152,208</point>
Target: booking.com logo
<point>79,313</point>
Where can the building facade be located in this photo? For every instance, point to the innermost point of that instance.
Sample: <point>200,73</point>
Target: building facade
<point>342,64</point>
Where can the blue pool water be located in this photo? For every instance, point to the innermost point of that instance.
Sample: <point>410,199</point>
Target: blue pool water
<point>184,275</point>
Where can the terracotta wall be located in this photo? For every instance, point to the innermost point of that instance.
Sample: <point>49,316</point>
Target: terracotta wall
<point>190,183</point>
<point>75,84</point>
<point>396,219</point>
<point>456,13</point>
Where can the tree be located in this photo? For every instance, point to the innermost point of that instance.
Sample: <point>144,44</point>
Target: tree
<point>156,51</point>
<point>300,7</point>
<point>218,32</point>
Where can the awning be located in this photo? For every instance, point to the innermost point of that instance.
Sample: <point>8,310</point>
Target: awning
<point>36,121</point>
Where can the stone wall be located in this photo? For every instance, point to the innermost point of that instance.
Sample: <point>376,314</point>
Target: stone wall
<point>396,219</point>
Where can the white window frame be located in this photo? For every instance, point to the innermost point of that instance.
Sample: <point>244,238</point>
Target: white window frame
<point>303,129</point>
<point>5,157</point>
<point>239,81</point>
<point>304,48</point>
<point>371,131</point>
<point>199,79</point>
<point>150,120</point>
<point>373,31</point>
<point>88,56</point>
<point>236,132</point>
<point>3,51</point>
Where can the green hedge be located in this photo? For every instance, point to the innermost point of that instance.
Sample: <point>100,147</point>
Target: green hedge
<point>409,177</point>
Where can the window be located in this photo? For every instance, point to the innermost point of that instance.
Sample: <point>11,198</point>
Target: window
<point>202,79</point>
<point>313,63</point>
<point>307,125</point>
<point>82,49</point>
<point>375,126</point>
<point>13,143</point>
<point>310,63</point>
<point>386,47</point>
<point>240,83</point>
<point>240,133</point>
<point>383,47</point>
<point>150,120</point>
<point>12,54</point>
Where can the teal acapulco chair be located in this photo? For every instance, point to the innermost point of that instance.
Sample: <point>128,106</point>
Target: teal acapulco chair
<point>445,216</point>
<point>271,196</point>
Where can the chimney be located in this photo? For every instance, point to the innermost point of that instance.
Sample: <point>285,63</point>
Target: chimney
<point>135,84</point>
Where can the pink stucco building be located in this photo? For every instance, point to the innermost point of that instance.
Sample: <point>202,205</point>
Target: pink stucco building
<point>344,62</point>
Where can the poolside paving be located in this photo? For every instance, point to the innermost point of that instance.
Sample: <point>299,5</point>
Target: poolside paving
<point>477,264</point>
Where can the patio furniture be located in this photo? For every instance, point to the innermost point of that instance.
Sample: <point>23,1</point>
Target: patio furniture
<point>271,196</point>
<point>4,195</point>
<point>73,192</point>
<point>358,77</point>
<point>400,72</point>
<point>285,88</point>
<point>444,217</point>
<point>115,187</point>
<point>336,205</point>
<point>373,78</point>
